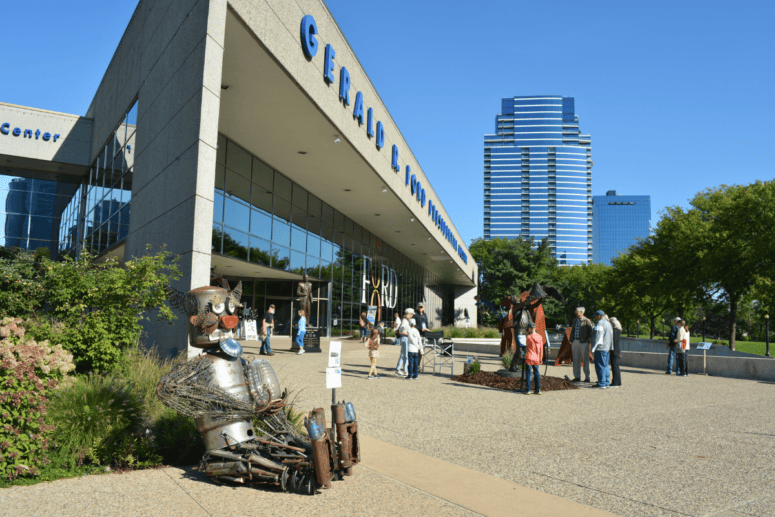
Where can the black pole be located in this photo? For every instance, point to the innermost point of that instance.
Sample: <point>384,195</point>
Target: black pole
<point>703,329</point>
<point>767,334</point>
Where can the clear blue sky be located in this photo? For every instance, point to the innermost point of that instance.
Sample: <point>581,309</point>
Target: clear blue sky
<point>678,96</point>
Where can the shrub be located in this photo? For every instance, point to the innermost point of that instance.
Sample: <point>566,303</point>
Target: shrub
<point>176,439</point>
<point>491,334</point>
<point>474,368</point>
<point>98,419</point>
<point>506,359</point>
<point>29,371</point>
<point>100,306</point>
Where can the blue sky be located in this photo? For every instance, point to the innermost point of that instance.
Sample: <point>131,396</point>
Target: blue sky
<point>678,96</point>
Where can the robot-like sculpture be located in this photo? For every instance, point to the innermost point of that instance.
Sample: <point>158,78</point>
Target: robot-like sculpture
<point>239,407</point>
<point>528,308</point>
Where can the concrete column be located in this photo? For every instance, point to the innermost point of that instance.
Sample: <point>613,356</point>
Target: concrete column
<point>464,299</point>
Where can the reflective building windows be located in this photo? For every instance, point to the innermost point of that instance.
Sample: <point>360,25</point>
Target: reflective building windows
<point>537,177</point>
<point>618,222</point>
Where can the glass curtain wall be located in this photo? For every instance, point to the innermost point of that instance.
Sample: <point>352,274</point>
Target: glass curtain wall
<point>263,217</point>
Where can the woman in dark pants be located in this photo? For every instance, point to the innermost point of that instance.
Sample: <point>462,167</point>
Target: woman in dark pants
<point>616,376</point>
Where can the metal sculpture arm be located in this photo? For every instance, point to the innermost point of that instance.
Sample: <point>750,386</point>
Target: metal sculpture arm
<point>484,302</point>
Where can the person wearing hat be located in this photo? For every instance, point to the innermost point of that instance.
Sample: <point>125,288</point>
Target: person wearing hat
<point>421,318</point>
<point>672,340</point>
<point>534,350</point>
<point>580,338</point>
<point>602,339</point>
<point>403,338</point>
<point>413,349</point>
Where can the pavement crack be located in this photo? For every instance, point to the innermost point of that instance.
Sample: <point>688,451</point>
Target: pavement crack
<point>614,495</point>
<point>187,493</point>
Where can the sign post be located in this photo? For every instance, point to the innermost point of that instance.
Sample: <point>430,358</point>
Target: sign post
<point>334,369</point>
<point>703,346</point>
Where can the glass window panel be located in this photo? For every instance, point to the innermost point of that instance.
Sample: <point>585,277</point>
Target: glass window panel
<point>262,198</point>
<point>282,186</point>
<point>220,175</point>
<point>298,262</point>
<point>314,225</point>
<point>236,215</point>
<point>300,217</point>
<point>282,209</point>
<point>261,224</point>
<point>313,266</point>
<point>326,250</point>
<point>235,243</point>
<point>280,257</point>
<point>262,174</point>
<point>298,239</point>
<point>237,186</point>
<point>220,154</point>
<point>217,238</point>
<point>314,206</point>
<point>218,208</point>
<point>338,220</point>
<point>313,245</point>
<point>325,270</point>
<point>328,233</point>
<point>348,226</point>
<point>238,160</point>
<point>299,197</point>
<point>357,234</point>
<point>260,251</point>
<point>281,233</point>
<point>327,214</point>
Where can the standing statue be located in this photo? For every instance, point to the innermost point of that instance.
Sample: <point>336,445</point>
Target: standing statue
<point>505,325</point>
<point>528,308</point>
<point>304,292</point>
<point>225,395</point>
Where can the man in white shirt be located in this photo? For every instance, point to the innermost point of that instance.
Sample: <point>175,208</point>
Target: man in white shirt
<point>403,337</point>
<point>413,349</point>
<point>603,335</point>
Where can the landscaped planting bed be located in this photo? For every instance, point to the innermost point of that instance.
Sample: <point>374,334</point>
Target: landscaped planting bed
<point>493,380</point>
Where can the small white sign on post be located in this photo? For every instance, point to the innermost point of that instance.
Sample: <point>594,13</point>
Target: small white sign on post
<point>703,346</point>
<point>334,371</point>
<point>251,332</point>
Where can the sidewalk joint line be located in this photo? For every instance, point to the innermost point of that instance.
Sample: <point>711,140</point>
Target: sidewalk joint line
<point>187,493</point>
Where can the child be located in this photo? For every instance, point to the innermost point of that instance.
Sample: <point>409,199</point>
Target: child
<point>302,324</point>
<point>534,351</point>
<point>413,347</point>
<point>373,346</point>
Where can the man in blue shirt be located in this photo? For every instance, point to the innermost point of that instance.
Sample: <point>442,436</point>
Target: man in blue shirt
<point>671,342</point>
<point>602,342</point>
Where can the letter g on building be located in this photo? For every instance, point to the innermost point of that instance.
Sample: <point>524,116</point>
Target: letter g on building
<point>308,41</point>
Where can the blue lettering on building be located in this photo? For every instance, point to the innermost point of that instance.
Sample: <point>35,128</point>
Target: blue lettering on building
<point>5,129</point>
<point>358,109</point>
<point>344,86</point>
<point>310,46</point>
<point>308,41</point>
<point>328,64</point>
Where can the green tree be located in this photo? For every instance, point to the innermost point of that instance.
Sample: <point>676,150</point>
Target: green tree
<point>582,286</point>
<point>510,266</point>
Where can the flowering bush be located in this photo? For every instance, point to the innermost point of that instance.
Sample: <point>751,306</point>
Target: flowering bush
<point>29,371</point>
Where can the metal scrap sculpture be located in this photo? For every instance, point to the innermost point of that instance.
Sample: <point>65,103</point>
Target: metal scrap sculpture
<point>528,308</point>
<point>239,407</point>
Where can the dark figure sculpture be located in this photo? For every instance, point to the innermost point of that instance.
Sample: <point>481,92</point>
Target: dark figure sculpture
<point>528,308</point>
<point>506,325</point>
<point>304,292</point>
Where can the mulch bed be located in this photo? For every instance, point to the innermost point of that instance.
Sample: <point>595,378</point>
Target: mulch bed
<point>493,380</point>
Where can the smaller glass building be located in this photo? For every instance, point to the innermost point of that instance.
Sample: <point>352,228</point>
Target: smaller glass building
<point>617,223</point>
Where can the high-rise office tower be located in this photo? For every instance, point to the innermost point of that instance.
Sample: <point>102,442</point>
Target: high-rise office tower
<point>538,176</point>
<point>617,223</point>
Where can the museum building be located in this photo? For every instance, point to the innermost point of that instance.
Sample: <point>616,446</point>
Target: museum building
<point>244,136</point>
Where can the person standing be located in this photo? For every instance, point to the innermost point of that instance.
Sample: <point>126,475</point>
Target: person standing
<point>413,349</point>
<point>396,324</point>
<point>422,319</point>
<point>302,329</point>
<point>403,338</point>
<point>686,346</point>
<point>267,325</point>
<point>603,342</point>
<point>533,357</point>
<point>364,323</point>
<point>580,343</point>
<point>616,375</point>
<point>672,339</point>
<point>680,350</point>
<point>373,345</point>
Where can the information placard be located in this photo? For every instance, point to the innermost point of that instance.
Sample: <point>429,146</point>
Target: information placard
<point>334,354</point>
<point>703,345</point>
<point>333,378</point>
<point>251,332</point>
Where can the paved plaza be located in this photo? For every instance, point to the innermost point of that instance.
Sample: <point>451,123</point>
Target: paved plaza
<point>699,446</point>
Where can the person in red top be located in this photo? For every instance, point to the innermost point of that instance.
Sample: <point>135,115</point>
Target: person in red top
<point>533,357</point>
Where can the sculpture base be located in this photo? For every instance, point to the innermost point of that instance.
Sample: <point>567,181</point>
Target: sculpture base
<point>506,373</point>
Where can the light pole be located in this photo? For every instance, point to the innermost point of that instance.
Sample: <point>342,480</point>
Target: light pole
<point>767,334</point>
<point>663,328</point>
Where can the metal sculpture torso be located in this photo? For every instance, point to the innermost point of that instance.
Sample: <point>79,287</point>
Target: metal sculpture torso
<point>531,310</point>
<point>239,407</point>
<point>304,292</point>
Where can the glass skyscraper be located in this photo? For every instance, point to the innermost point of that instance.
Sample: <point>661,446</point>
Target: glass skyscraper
<point>617,223</point>
<point>538,176</point>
